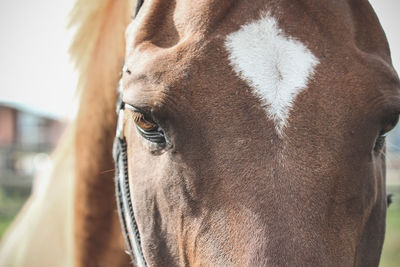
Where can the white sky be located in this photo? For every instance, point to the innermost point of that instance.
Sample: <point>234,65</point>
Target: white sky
<point>388,13</point>
<point>35,70</point>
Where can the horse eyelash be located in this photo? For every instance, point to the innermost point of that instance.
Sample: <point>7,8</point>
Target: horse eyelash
<point>137,116</point>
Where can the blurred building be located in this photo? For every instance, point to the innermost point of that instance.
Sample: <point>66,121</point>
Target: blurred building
<point>26,139</point>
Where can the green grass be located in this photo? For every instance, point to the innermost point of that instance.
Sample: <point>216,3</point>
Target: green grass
<point>4,223</point>
<point>10,205</point>
<point>391,247</point>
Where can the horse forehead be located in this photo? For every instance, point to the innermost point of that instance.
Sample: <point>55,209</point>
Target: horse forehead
<point>278,66</point>
<point>175,40</point>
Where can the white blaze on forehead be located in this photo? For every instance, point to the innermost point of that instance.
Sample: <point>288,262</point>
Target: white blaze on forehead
<point>277,67</point>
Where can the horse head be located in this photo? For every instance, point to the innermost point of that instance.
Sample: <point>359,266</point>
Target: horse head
<point>255,132</point>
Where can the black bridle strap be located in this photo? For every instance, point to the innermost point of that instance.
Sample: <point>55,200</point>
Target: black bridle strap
<point>124,201</point>
<point>139,4</point>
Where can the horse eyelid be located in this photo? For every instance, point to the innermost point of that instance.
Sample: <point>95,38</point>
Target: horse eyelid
<point>140,113</point>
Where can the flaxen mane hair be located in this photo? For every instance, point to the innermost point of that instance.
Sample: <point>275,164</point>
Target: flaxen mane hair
<point>98,50</point>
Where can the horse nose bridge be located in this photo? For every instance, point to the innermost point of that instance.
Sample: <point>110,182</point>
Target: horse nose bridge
<point>267,238</point>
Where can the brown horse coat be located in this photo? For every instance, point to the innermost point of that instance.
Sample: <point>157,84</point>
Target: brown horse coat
<point>245,182</point>
<point>275,114</point>
<point>257,174</point>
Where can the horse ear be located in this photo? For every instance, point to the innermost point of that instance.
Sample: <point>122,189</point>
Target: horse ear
<point>389,199</point>
<point>98,51</point>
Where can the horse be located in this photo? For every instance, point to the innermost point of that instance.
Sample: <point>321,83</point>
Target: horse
<point>248,134</point>
<point>254,134</point>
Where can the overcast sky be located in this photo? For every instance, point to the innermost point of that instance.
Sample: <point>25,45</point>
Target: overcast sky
<point>34,64</point>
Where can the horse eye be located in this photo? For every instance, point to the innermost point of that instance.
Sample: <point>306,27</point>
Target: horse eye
<point>148,129</point>
<point>143,123</point>
<point>390,124</point>
<point>380,142</point>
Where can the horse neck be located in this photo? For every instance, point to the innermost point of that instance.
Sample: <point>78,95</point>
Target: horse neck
<point>98,50</point>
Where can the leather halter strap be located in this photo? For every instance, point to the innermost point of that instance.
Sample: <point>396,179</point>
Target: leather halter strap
<point>123,193</point>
